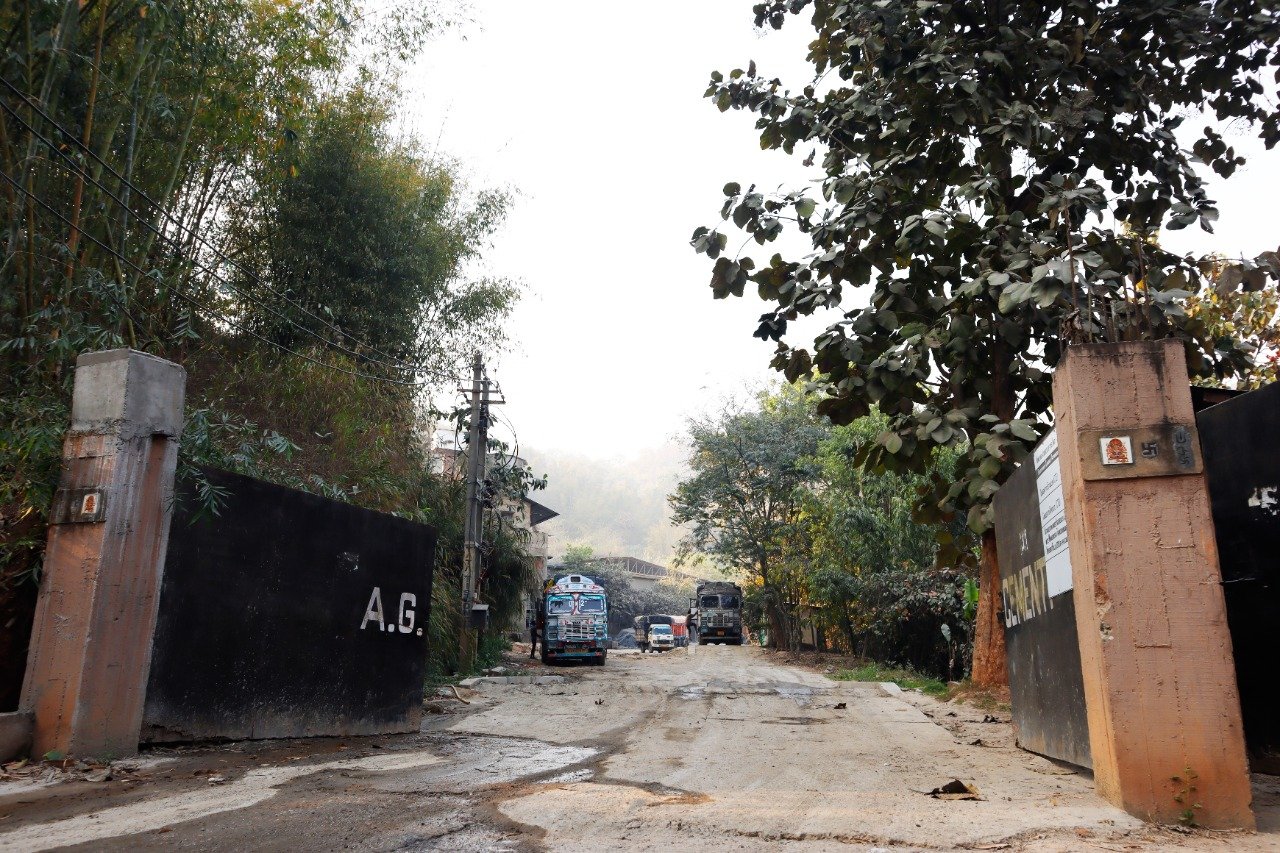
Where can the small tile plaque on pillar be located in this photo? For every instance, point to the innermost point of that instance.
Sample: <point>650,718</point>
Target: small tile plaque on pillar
<point>1165,450</point>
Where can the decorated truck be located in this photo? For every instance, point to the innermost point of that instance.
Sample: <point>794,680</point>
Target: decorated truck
<point>574,620</point>
<point>717,612</point>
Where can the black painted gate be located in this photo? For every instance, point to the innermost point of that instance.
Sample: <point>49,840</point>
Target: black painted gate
<point>1045,681</point>
<point>1240,439</point>
<point>288,615</point>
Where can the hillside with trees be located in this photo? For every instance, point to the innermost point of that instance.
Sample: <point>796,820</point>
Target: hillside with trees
<point>830,555</point>
<point>224,185</point>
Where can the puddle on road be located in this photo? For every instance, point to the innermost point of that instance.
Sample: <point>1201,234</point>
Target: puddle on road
<point>583,775</point>
<point>797,721</point>
<point>801,693</point>
<point>448,764</point>
<point>480,760</point>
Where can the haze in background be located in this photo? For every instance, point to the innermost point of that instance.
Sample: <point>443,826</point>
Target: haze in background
<point>618,507</point>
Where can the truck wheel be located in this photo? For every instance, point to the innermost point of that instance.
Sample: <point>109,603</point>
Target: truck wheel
<point>600,660</point>
<point>545,660</point>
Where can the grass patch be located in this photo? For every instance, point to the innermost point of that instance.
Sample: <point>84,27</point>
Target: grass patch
<point>904,678</point>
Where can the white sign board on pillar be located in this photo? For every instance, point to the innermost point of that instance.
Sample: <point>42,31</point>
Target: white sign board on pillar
<point>1053,519</point>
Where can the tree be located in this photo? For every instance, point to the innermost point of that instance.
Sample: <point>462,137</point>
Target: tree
<point>373,237</point>
<point>989,170</point>
<point>873,566</point>
<point>749,466</point>
<point>1250,316</point>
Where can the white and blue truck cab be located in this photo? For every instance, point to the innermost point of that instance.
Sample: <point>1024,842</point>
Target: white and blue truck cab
<point>574,620</point>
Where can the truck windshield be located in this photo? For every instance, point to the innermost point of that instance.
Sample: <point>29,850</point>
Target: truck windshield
<point>729,602</point>
<point>560,604</point>
<point>710,601</point>
<point>660,629</point>
<point>591,604</point>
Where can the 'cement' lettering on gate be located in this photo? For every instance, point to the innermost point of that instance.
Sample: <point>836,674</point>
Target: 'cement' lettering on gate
<point>1025,594</point>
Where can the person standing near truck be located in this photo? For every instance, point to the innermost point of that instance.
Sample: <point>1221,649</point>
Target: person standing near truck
<point>531,622</point>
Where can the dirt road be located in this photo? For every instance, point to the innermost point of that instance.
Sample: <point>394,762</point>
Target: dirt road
<point>716,747</point>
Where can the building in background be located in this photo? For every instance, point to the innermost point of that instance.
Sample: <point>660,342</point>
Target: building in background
<point>448,459</point>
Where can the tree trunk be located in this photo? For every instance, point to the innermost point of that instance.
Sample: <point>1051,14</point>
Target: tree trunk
<point>990,668</point>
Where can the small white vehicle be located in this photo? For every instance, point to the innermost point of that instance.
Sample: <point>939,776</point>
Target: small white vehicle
<point>661,638</point>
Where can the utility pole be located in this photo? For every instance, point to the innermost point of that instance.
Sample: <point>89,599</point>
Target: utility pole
<point>477,451</point>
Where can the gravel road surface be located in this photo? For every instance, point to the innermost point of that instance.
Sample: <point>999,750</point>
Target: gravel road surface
<point>714,747</point>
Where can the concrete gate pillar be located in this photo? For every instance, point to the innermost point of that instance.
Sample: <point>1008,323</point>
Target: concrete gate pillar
<point>1159,676</point>
<point>108,529</point>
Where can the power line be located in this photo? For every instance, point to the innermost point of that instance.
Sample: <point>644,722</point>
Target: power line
<point>177,291</point>
<point>394,362</point>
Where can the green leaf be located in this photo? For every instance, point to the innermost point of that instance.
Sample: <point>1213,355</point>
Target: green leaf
<point>1023,430</point>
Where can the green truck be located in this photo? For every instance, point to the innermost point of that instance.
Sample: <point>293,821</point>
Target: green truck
<point>717,612</point>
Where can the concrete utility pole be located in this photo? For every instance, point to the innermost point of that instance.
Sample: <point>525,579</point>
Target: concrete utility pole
<point>477,447</point>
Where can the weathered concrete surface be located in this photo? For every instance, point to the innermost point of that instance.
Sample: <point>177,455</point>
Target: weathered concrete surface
<point>15,734</point>
<point>91,640</point>
<point>1160,685</point>
<point>722,748</point>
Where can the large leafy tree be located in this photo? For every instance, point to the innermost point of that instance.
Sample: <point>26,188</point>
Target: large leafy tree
<point>990,170</point>
<point>749,467</point>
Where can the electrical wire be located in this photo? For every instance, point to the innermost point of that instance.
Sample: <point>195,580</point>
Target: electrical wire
<point>394,363</point>
<point>177,291</point>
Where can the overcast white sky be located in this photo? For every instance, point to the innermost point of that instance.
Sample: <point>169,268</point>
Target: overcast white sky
<point>593,112</point>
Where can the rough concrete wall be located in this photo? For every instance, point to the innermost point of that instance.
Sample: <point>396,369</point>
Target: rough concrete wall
<point>1155,650</point>
<point>91,640</point>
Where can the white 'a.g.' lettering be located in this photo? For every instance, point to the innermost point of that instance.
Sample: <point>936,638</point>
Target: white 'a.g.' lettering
<point>373,613</point>
<point>407,602</point>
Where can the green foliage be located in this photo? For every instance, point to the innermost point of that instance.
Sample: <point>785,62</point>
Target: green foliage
<point>371,236</point>
<point>905,678</point>
<point>974,159</point>
<point>873,566</point>
<point>823,543</point>
<point>185,143</point>
<point>749,467</point>
<point>970,599</point>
